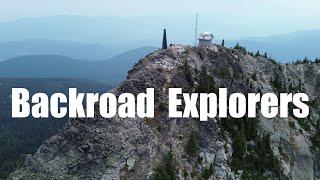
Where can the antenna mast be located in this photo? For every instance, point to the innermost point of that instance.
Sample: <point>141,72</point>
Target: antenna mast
<point>196,31</point>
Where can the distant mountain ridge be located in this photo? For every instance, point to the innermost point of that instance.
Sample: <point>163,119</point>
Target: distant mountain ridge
<point>112,70</point>
<point>76,50</point>
<point>76,36</point>
<point>285,47</point>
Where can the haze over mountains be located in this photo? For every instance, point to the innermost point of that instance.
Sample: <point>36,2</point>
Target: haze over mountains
<point>109,71</point>
<point>50,74</point>
<point>40,53</point>
<point>77,50</point>
<point>97,38</point>
<point>286,47</point>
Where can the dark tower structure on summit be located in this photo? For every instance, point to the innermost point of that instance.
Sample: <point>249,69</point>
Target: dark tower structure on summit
<point>164,40</point>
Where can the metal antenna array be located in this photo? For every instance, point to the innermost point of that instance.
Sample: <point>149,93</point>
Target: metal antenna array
<point>196,31</point>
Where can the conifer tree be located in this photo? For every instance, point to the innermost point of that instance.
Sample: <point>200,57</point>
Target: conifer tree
<point>164,40</point>
<point>206,83</point>
<point>237,46</point>
<point>192,146</point>
<point>187,73</point>
<point>257,53</point>
<point>166,170</point>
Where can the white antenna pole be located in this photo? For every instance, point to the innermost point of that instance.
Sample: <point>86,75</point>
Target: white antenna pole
<point>196,31</point>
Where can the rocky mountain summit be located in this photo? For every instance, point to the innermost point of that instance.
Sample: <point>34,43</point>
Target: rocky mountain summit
<point>169,148</point>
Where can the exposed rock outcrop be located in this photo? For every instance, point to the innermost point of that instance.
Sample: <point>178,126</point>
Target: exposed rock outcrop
<point>133,148</point>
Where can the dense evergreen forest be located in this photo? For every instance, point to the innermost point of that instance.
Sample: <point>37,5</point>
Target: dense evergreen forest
<point>19,137</point>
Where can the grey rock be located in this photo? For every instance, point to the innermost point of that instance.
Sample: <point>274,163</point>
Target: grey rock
<point>132,148</point>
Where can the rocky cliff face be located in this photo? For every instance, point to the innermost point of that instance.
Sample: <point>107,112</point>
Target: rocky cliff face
<point>136,148</point>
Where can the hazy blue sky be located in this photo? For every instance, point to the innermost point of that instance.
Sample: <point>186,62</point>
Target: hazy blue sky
<point>270,9</point>
<point>257,17</point>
